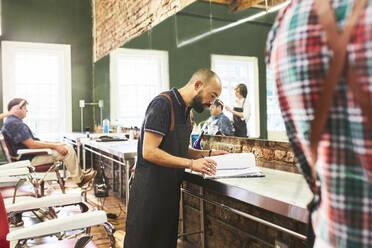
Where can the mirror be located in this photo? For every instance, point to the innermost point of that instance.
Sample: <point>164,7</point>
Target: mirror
<point>202,35</point>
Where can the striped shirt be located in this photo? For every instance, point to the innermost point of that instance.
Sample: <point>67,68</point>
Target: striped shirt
<point>299,55</point>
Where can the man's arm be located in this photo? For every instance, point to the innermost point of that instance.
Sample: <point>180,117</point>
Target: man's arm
<point>152,153</point>
<point>239,114</point>
<point>3,115</point>
<point>13,111</point>
<point>195,153</point>
<point>34,144</point>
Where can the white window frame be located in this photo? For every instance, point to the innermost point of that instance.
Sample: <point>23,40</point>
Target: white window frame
<point>276,135</point>
<point>1,18</point>
<point>254,60</point>
<point>9,47</point>
<point>114,85</point>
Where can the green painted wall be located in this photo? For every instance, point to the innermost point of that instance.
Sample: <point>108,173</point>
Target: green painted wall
<point>101,85</point>
<point>56,21</point>
<point>244,40</point>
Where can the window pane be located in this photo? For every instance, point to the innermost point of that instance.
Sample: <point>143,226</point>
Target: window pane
<point>37,72</point>
<point>136,89</point>
<point>1,17</point>
<point>274,118</point>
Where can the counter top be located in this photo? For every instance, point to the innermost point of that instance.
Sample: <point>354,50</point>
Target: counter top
<point>76,136</point>
<point>280,192</point>
<point>124,149</point>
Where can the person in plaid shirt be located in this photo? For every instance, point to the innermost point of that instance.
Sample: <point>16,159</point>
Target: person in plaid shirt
<point>300,52</point>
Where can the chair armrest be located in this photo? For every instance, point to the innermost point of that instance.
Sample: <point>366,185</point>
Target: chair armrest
<point>15,172</point>
<point>8,181</point>
<point>59,225</point>
<point>29,203</point>
<point>46,151</point>
<point>18,164</point>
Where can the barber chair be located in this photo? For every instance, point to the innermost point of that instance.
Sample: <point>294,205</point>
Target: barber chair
<point>13,185</point>
<point>43,168</point>
<point>12,180</point>
<point>19,237</point>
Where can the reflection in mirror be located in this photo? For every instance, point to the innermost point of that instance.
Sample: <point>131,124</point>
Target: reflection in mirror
<point>168,54</point>
<point>243,71</point>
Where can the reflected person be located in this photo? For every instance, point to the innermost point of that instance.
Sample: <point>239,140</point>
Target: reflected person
<point>241,111</point>
<point>218,123</point>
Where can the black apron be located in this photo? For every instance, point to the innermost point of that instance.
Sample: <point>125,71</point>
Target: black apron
<point>153,209</point>
<point>240,125</point>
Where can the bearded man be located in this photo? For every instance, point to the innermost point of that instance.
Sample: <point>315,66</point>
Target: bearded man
<point>162,156</point>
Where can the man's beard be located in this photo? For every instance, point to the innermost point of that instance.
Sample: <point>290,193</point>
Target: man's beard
<point>198,105</point>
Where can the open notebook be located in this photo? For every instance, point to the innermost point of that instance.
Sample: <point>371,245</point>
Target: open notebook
<point>235,165</point>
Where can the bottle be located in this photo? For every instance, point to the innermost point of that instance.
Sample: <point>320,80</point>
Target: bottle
<point>118,129</point>
<point>197,144</point>
<point>131,133</point>
<point>116,123</point>
<point>106,126</point>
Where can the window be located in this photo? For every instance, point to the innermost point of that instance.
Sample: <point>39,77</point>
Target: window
<point>234,70</point>
<point>275,123</point>
<point>1,17</point>
<point>136,77</point>
<point>40,73</point>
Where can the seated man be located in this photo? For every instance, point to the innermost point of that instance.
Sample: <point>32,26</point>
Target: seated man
<point>21,137</point>
<point>218,123</point>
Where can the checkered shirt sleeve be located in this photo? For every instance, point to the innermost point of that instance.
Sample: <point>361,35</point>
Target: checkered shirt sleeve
<point>299,55</point>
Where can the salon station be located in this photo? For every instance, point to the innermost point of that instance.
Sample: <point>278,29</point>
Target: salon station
<point>87,71</point>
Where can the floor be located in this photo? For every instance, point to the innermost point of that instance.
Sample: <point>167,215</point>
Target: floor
<point>111,204</point>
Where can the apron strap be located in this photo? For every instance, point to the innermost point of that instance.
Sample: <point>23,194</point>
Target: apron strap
<point>338,42</point>
<point>172,111</point>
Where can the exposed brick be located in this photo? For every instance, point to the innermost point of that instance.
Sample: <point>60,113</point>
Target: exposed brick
<point>246,148</point>
<point>290,157</point>
<point>257,151</point>
<point>118,21</point>
<point>269,154</point>
<point>279,155</point>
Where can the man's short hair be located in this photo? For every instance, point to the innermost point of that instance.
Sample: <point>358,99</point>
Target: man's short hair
<point>205,75</point>
<point>218,102</point>
<point>16,101</point>
<point>242,88</point>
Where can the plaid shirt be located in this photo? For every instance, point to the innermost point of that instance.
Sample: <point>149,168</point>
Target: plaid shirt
<point>299,56</point>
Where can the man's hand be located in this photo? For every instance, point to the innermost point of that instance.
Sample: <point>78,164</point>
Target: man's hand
<point>61,149</point>
<point>228,108</point>
<point>15,110</point>
<point>218,152</point>
<point>205,166</point>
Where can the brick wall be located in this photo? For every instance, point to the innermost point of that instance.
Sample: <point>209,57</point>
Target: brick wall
<point>118,21</point>
<point>269,154</point>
